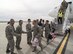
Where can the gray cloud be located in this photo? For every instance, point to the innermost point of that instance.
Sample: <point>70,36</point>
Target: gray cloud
<point>23,9</point>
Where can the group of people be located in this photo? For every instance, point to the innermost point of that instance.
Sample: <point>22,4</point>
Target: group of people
<point>38,29</point>
<point>10,32</point>
<point>32,39</point>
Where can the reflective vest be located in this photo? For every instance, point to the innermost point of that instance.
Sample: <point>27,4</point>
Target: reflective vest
<point>60,14</point>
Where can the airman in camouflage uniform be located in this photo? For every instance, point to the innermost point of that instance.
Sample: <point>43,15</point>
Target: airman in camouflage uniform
<point>47,30</point>
<point>36,31</point>
<point>9,31</point>
<point>29,34</point>
<point>19,31</point>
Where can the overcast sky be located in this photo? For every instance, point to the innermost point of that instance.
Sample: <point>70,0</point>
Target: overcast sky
<point>24,9</point>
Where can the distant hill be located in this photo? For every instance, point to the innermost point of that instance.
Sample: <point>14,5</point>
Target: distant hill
<point>7,21</point>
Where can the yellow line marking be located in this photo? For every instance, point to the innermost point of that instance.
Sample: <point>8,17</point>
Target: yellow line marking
<point>62,45</point>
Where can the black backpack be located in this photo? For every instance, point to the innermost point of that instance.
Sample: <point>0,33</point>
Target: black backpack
<point>50,36</point>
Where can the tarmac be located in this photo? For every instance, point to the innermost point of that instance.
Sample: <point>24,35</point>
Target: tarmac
<point>47,49</point>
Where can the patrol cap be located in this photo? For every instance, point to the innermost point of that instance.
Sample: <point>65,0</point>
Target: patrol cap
<point>12,20</point>
<point>29,20</point>
<point>20,20</point>
<point>47,20</point>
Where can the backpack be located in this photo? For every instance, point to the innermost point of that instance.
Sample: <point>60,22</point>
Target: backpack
<point>50,36</point>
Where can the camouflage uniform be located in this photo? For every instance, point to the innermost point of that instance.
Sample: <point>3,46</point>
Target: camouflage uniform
<point>18,38</point>
<point>9,31</point>
<point>37,31</point>
<point>29,34</point>
<point>47,31</point>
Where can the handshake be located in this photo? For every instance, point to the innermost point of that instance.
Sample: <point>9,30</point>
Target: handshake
<point>21,33</point>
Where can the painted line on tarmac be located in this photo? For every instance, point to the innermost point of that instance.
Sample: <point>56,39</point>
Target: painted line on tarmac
<point>62,46</point>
